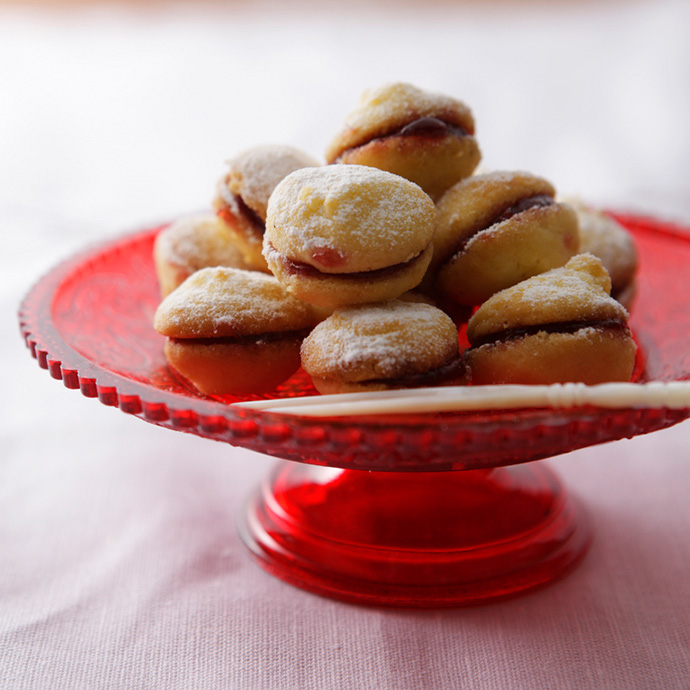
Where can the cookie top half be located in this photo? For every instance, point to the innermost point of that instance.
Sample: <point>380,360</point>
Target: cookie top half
<point>196,242</point>
<point>577,292</point>
<point>386,340</point>
<point>226,302</point>
<point>254,173</point>
<point>390,107</point>
<point>478,202</point>
<point>348,218</point>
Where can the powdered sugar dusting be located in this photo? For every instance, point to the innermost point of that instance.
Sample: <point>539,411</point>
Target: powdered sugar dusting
<point>219,301</point>
<point>197,241</point>
<point>611,242</point>
<point>383,338</point>
<point>225,195</point>
<point>254,173</point>
<point>355,206</point>
<point>576,292</point>
<point>551,295</point>
<point>393,105</point>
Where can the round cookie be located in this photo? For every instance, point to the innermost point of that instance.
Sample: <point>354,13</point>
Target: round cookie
<point>339,235</point>
<point>557,327</point>
<point>495,230</point>
<point>397,344</point>
<point>605,237</point>
<point>231,331</point>
<point>242,193</point>
<point>425,137</point>
<point>192,243</point>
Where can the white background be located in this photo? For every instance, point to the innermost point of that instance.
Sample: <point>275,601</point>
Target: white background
<point>119,562</point>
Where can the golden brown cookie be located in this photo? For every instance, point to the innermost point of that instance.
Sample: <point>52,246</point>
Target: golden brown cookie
<point>427,138</point>
<point>557,327</point>
<point>192,243</point>
<point>605,237</point>
<point>495,230</point>
<point>242,193</point>
<point>382,346</point>
<point>231,331</point>
<point>338,235</point>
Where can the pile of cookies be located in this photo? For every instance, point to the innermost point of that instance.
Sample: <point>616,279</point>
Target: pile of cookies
<point>361,269</point>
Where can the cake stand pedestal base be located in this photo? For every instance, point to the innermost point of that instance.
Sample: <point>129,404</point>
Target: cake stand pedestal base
<point>415,539</point>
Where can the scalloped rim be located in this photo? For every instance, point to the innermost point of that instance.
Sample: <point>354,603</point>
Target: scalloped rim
<point>249,428</point>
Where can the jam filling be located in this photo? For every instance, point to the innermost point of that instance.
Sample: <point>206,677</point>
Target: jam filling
<point>254,223</point>
<point>260,339</point>
<point>450,371</point>
<point>301,268</point>
<point>427,127</point>
<point>536,201</point>
<point>509,334</point>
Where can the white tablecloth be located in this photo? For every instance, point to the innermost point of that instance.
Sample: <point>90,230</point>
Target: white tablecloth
<point>120,566</point>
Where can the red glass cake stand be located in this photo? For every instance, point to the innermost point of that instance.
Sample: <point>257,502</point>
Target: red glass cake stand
<point>418,510</point>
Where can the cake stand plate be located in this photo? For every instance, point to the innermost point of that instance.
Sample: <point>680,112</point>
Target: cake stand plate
<point>415,510</point>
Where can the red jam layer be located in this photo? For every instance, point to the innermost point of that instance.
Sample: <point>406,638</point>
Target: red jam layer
<point>301,268</point>
<point>428,127</point>
<point>252,221</point>
<point>563,327</point>
<point>260,339</point>
<point>423,127</point>
<point>536,201</point>
<point>451,372</point>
